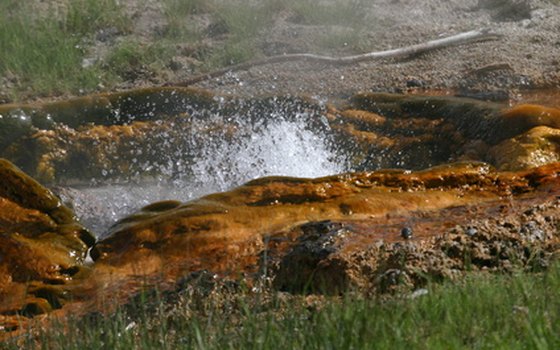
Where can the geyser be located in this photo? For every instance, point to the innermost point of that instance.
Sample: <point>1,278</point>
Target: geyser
<point>274,145</point>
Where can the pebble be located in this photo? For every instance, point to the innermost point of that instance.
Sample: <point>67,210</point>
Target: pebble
<point>471,231</point>
<point>532,231</point>
<point>415,83</point>
<point>418,293</point>
<point>406,233</point>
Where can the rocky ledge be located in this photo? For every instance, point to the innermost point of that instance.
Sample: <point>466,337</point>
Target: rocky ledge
<point>377,231</point>
<point>143,133</point>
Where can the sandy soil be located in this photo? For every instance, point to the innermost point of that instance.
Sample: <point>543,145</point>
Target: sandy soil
<point>526,56</point>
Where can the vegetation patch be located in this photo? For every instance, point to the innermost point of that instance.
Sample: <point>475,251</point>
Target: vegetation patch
<point>54,49</point>
<point>87,16</point>
<point>130,61</point>
<point>40,57</point>
<point>518,311</point>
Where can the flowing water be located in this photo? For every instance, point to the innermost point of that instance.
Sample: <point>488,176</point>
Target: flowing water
<point>278,144</point>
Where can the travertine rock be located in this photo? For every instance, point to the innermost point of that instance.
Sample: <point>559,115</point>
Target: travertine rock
<point>146,132</point>
<point>42,245</point>
<point>536,147</point>
<point>342,231</point>
<point>131,135</point>
<point>327,234</point>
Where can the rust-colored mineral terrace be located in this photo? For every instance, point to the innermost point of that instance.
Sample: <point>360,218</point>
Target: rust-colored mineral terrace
<point>491,204</point>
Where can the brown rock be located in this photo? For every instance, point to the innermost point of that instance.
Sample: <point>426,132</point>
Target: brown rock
<point>81,137</point>
<point>345,217</point>
<point>526,116</point>
<point>536,147</point>
<point>328,234</point>
<point>114,108</point>
<point>124,135</point>
<point>474,119</point>
<point>436,129</point>
<point>41,244</point>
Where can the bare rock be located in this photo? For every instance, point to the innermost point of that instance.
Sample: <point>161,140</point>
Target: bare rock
<point>42,246</point>
<point>350,236</point>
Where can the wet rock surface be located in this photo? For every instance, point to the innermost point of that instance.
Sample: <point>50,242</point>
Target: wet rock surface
<point>118,137</point>
<point>325,235</point>
<point>473,201</point>
<point>415,132</point>
<point>42,247</point>
<point>136,134</point>
<point>351,228</point>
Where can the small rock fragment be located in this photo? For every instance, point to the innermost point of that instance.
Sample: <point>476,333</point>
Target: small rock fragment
<point>418,293</point>
<point>471,231</point>
<point>532,232</point>
<point>406,233</point>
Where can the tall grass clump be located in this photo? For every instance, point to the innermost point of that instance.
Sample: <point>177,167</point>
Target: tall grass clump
<point>177,13</point>
<point>38,54</point>
<point>42,53</point>
<point>87,16</point>
<point>128,60</point>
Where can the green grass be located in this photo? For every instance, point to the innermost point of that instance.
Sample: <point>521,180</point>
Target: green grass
<point>38,55</point>
<point>231,53</point>
<point>520,311</point>
<point>42,52</point>
<point>87,16</point>
<point>128,60</point>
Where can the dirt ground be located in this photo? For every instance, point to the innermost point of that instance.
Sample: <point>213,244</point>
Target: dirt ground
<point>526,56</point>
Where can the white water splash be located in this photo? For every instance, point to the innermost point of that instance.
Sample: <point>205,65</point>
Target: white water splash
<point>278,147</point>
<point>283,148</point>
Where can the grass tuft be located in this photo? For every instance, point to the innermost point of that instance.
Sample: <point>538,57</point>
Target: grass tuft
<point>87,16</point>
<point>131,60</point>
<point>39,56</point>
<point>519,311</point>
